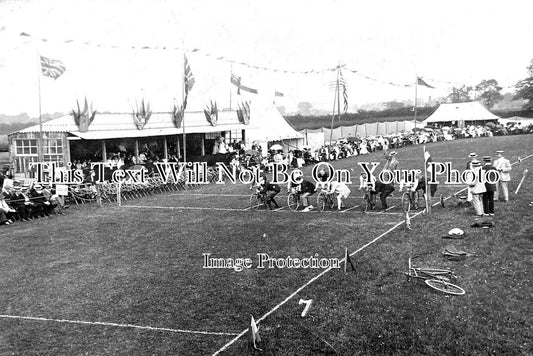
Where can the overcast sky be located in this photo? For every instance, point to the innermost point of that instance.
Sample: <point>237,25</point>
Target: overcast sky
<point>392,41</point>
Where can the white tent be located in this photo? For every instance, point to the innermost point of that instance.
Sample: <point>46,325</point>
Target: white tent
<point>268,125</point>
<point>524,121</point>
<point>460,113</point>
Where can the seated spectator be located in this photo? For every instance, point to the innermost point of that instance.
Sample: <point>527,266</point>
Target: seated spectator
<point>42,207</point>
<point>7,213</point>
<point>21,204</point>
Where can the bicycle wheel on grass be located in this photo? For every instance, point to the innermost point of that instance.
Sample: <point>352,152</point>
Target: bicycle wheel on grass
<point>406,202</point>
<point>366,203</point>
<point>321,201</point>
<point>293,201</point>
<point>255,201</point>
<point>445,287</point>
<point>329,200</point>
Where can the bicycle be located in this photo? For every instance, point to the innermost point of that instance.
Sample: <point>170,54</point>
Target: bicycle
<point>437,279</point>
<point>257,200</point>
<point>367,199</point>
<point>293,200</point>
<point>411,199</point>
<point>324,199</point>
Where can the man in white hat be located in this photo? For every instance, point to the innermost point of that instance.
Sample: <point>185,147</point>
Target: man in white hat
<point>504,167</point>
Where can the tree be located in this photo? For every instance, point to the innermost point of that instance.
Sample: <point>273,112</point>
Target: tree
<point>524,89</point>
<point>304,108</point>
<point>489,92</point>
<point>460,95</point>
<point>394,105</point>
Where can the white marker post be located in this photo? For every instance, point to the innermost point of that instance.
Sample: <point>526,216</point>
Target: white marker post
<point>521,181</point>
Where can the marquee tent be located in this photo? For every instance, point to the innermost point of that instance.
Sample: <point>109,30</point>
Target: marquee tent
<point>461,114</point>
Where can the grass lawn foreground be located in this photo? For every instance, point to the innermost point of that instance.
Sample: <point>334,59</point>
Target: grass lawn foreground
<point>141,264</point>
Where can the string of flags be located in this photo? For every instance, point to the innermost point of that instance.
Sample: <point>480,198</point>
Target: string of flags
<point>60,68</point>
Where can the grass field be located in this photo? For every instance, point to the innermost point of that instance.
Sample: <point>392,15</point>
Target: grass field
<point>141,264</point>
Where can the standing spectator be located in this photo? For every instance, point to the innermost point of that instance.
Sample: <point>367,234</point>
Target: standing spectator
<point>488,196</point>
<point>477,189</point>
<point>392,163</point>
<point>504,167</point>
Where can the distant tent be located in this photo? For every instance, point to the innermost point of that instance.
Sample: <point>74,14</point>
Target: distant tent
<point>268,125</point>
<point>524,121</point>
<point>461,114</point>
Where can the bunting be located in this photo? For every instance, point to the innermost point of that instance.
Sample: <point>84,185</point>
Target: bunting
<point>84,118</point>
<point>237,82</point>
<point>211,113</point>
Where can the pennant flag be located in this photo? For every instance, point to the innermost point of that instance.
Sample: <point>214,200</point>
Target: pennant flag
<point>52,68</point>
<point>419,81</point>
<point>188,78</point>
<point>254,331</point>
<point>237,82</point>
<point>427,159</point>
<point>277,93</point>
<point>347,260</point>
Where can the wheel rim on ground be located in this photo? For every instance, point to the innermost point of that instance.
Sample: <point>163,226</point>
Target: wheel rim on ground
<point>406,202</point>
<point>292,201</point>
<point>445,287</point>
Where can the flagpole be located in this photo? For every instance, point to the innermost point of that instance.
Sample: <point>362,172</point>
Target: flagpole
<point>333,117</point>
<point>416,96</point>
<point>183,104</point>
<point>231,74</point>
<point>40,142</point>
<point>426,197</point>
<point>339,97</point>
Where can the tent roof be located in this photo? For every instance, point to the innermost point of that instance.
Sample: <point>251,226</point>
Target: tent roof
<point>267,124</point>
<point>472,111</point>
<point>118,125</point>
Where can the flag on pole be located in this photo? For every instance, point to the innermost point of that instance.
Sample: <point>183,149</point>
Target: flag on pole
<point>52,68</point>
<point>344,93</point>
<point>347,260</point>
<point>420,81</point>
<point>188,78</point>
<point>427,159</point>
<point>237,82</point>
<point>254,330</point>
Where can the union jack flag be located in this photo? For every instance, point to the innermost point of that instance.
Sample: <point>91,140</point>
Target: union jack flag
<point>52,68</point>
<point>188,78</point>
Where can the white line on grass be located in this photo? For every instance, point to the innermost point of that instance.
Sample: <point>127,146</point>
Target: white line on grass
<point>353,207</point>
<point>177,207</point>
<point>242,333</point>
<point>101,323</point>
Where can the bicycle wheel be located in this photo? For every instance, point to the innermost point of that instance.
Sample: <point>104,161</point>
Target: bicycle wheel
<point>255,201</point>
<point>418,200</point>
<point>321,201</point>
<point>445,287</point>
<point>293,201</point>
<point>406,202</point>
<point>330,201</point>
<point>366,202</point>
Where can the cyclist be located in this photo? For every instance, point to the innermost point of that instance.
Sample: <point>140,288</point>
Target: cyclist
<point>340,189</point>
<point>384,190</point>
<point>305,188</point>
<point>269,191</point>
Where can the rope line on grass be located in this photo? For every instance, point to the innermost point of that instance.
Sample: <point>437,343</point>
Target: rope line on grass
<point>242,333</point>
<point>101,323</point>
